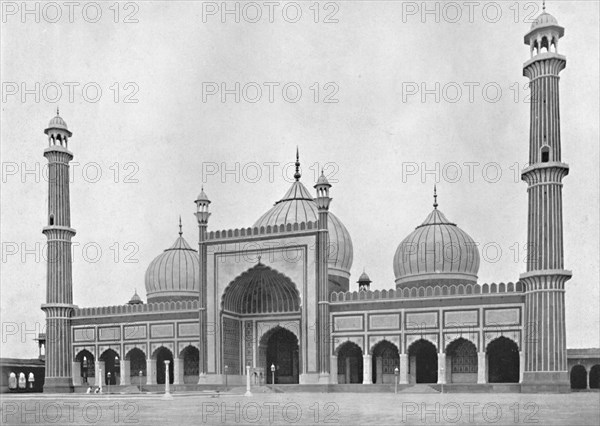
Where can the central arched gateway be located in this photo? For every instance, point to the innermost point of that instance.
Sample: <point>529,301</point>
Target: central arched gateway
<point>279,347</point>
<point>260,299</point>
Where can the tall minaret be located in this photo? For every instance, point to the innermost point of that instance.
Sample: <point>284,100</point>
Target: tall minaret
<point>324,341</point>
<point>544,338</point>
<point>59,282</point>
<point>202,214</point>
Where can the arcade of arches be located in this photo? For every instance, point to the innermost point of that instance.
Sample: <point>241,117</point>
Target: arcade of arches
<point>459,363</point>
<point>135,368</point>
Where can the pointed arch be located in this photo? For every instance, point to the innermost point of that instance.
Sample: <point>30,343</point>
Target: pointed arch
<point>578,376</point>
<point>137,363</point>
<point>160,355</point>
<point>461,361</point>
<point>279,348</point>
<point>423,360</point>
<point>385,360</point>
<point>503,360</point>
<point>261,289</point>
<point>190,355</point>
<point>350,362</point>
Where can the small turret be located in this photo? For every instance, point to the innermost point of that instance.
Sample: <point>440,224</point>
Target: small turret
<point>135,299</point>
<point>364,282</point>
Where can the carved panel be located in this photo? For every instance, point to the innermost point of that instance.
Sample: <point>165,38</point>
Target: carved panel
<point>87,334</point>
<point>248,343</point>
<point>411,338</point>
<point>137,331</point>
<point>508,316</point>
<point>187,329</point>
<point>348,323</point>
<point>161,330</point>
<point>231,344</point>
<point>461,319</point>
<point>384,322</point>
<point>140,346</point>
<point>339,341</point>
<point>168,345</point>
<point>417,320</point>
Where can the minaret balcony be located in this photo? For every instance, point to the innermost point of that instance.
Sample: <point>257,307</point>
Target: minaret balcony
<point>537,173</point>
<point>560,62</point>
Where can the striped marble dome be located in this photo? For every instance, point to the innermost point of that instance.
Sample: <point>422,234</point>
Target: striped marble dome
<point>298,205</point>
<point>436,250</point>
<point>174,274</point>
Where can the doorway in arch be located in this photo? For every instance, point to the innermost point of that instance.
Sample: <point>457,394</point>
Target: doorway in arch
<point>350,363</point>
<point>503,361</point>
<point>386,359</point>
<point>161,355</point>
<point>423,361</point>
<point>281,350</point>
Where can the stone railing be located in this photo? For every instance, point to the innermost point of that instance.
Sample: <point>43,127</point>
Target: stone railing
<point>180,305</point>
<point>430,291</point>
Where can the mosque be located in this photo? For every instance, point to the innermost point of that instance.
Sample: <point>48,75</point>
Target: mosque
<point>277,301</point>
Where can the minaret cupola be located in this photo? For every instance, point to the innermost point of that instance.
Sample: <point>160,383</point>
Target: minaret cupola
<point>364,282</point>
<point>57,131</point>
<point>544,34</point>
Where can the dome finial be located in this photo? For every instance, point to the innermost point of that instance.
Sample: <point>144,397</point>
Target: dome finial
<point>435,203</point>
<point>259,257</point>
<point>544,5</point>
<point>297,175</point>
<point>180,227</point>
<point>57,112</point>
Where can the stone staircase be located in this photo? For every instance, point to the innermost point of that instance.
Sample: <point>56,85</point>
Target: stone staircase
<point>419,388</point>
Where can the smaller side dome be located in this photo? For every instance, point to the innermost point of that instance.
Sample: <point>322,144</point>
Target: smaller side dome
<point>436,251</point>
<point>174,274</point>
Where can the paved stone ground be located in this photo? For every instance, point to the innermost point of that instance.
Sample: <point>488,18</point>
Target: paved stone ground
<point>582,408</point>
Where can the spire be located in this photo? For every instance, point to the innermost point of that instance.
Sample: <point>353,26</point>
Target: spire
<point>435,203</point>
<point>297,174</point>
<point>180,227</point>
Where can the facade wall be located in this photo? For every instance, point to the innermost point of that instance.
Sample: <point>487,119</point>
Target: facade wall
<point>402,326</point>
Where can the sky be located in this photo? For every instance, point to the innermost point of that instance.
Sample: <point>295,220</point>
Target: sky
<point>388,98</point>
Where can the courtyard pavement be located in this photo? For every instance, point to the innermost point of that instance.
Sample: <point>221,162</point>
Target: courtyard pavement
<point>577,408</point>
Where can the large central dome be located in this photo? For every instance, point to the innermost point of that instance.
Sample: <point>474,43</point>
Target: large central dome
<point>436,251</point>
<point>298,205</point>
